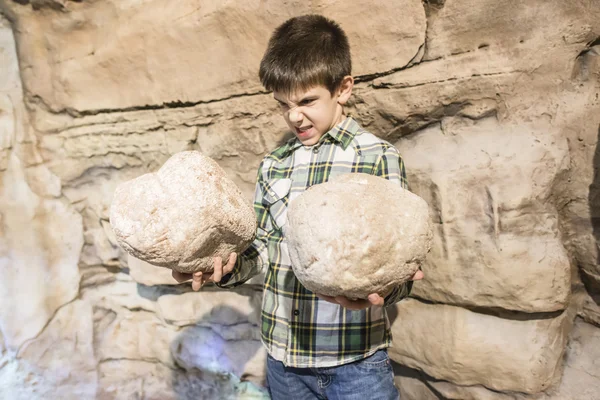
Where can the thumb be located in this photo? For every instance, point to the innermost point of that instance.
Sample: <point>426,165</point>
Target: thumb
<point>196,281</point>
<point>375,299</point>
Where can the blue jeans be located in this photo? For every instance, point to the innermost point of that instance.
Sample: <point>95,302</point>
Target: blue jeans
<point>371,378</point>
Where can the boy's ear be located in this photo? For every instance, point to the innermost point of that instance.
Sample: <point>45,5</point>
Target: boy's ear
<point>345,89</point>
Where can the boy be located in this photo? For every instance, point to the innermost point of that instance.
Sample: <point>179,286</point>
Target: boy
<point>319,346</point>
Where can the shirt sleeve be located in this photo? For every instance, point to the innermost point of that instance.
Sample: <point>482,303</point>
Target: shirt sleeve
<point>391,167</point>
<point>254,259</point>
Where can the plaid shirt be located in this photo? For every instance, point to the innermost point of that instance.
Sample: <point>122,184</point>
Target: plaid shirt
<point>298,328</point>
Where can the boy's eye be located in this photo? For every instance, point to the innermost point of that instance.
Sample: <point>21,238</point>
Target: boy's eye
<point>307,102</point>
<point>282,105</point>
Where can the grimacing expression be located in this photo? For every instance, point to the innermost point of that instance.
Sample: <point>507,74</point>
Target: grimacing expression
<point>312,113</point>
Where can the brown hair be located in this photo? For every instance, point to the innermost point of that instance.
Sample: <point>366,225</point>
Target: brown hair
<point>304,52</point>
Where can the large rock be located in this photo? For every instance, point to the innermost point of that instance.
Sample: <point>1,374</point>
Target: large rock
<point>188,53</point>
<point>497,241</point>
<point>343,242</point>
<point>580,377</point>
<point>58,364</point>
<point>515,353</point>
<point>183,215</point>
<point>204,349</point>
<point>214,307</point>
<point>40,233</point>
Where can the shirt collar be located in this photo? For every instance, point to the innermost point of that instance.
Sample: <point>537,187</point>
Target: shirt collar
<point>342,134</point>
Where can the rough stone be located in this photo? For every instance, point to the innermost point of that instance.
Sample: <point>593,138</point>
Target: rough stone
<point>470,67</point>
<point>497,241</point>
<point>590,310</point>
<point>133,335</point>
<point>148,274</point>
<point>127,379</point>
<point>342,242</point>
<point>514,353</point>
<point>40,235</point>
<point>59,363</point>
<point>581,376</point>
<point>82,65</point>
<point>580,379</point>
<point>203,348</point>
<point>183,215</point>
<point>211,307</point>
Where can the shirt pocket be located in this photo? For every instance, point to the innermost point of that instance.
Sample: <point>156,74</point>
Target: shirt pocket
<point>277,199</point>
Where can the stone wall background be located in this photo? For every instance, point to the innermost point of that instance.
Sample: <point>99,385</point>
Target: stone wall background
<point>494,105</point>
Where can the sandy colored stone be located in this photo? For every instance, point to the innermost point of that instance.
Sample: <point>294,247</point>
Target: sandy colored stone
<point>218,307</point>
<point>515,353</point>
<point>343,242</point>
<point>183,215</point>
<point>88,126</point>
<point>40,234</point>
<point>580,376</point>
<point>202,348</point>
<point>134,335</point>
<point>591,309</point>
<point>186,53</point>
<point>130,379</point>
<point>59,363</point>
<point>496,241</point>
<point>147,274</point>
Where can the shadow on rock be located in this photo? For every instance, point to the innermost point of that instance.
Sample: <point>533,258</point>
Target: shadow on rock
<point>592,284</point>
<point>220,360</point>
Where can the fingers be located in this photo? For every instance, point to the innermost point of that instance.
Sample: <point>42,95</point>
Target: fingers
<point>217,269</point>
<point>376,300</point>
<point>197,281</point>
<point>418,276</point>
<point>352,304</point>
<point>230,263</point>
<point>180,277</point>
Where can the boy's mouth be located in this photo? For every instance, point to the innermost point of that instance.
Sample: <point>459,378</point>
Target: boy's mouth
<point>304,132</point>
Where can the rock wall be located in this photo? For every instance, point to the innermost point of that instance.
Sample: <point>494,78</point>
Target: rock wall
<point>494,105</point>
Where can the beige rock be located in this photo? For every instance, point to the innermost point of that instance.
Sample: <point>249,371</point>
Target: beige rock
<point>496,238</point>
<point>211,307</point>
<point>147,274</point>
<point>591,309</point>
<point>342,242</point>
<point>580,379</point>
<point>410,386</point>
<point>92,128</point>
<point>190,53</point>
<point>40,235</point>
<point>134,335</point>
<point>127,379</point>
<point>59,363</point>
<point>204,349</point>
<point>468,348</point>
<point>581,376</point>
<point>183,215</point>
<point>122,294</point>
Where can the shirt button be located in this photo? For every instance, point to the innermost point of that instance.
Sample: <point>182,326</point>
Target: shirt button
<point>296,312</point>
<point>315,150</point>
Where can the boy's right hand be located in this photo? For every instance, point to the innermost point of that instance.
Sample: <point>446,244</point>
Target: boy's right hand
<point>199,278</point>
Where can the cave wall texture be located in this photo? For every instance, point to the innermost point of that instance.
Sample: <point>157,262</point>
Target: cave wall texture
<point>494,105</point>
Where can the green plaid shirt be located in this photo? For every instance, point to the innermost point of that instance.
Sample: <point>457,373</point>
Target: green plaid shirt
<point>298,328</point>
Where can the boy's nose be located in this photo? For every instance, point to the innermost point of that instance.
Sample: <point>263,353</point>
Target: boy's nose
<point>295,116</point>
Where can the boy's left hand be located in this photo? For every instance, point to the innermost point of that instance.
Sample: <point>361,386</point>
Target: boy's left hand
<point>372,300</point>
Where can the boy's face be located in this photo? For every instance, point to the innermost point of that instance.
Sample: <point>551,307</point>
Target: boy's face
<point>312,113</point>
